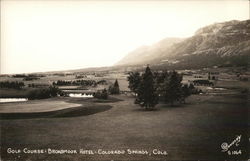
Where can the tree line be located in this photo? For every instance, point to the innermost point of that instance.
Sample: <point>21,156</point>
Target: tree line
<point>150,88</point>
<point>44,93</point>
<point>14,84</point>
<point>79,82</point>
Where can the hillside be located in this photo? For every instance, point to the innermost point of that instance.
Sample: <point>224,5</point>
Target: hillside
<point>145,54</point>
<point>220,44</point>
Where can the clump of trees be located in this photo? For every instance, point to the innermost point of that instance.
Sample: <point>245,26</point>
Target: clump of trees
<point>114,89</point>
<point>203,82</point>
<point>14,85</point>
<point>76,82</point>
<point>19,76</point>
<point>79,83</point>
<point>28,78</point>
<point>150,87</point>
<point>103,82</point>
<point>43,93</point>
<point>101,94</point>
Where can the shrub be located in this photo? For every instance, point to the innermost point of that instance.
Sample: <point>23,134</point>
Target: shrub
<point>103,94</point>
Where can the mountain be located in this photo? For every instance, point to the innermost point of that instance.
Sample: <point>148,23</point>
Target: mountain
<point>145,54</point>
<point>219,44</point>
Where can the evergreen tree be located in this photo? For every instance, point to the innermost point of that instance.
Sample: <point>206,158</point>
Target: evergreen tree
<point>134,80</point>
<point>114,89</point>
<point>172,88</point>
<point>160,79</point>
<point>186,91</point>
<point>147,96</point>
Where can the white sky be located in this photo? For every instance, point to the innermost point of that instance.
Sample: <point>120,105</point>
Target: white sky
<point>70,34</point>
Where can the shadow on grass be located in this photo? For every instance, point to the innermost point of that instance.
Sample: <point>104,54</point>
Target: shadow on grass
<point>70,112</point>
<point>146,110</point>
<point>94,100</point>
<point>162,105</point>
<point>174,106</point>
<point>109,100</point>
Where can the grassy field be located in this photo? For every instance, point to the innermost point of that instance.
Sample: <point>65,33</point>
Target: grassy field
<point>188,132</point>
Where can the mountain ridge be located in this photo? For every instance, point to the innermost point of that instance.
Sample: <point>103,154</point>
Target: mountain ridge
<point>219,44</point>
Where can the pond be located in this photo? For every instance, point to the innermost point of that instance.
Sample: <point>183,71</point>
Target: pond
<point>80,95</point>
<point>13,99</point>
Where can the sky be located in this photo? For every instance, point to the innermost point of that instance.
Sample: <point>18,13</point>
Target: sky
<point>39,36</point>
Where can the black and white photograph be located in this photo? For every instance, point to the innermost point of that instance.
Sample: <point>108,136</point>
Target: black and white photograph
<point>124,80</point>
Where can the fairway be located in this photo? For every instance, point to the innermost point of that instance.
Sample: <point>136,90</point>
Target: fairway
<point>192,131</point>
<point>36,106</point>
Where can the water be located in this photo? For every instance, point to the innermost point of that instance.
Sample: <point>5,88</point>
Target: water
<point>214,88</point>
<point>80,95</point>
<point>221,89</point>
<point>13,99</point>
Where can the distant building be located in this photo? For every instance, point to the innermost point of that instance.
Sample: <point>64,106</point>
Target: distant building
<point>213,75</point>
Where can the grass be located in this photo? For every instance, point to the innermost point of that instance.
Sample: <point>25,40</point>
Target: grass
<point>233,84</point>
<point>67,112</point>
<point>190,132</point>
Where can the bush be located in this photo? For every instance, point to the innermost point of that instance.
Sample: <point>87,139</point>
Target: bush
<point>103,94</point>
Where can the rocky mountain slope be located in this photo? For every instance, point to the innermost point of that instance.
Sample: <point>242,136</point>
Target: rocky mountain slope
<point>220,44</point>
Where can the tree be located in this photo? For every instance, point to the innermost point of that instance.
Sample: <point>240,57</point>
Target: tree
<point>114,89</point>
<point>54,91</point>
<point>172,88</point>
<point>186,91</point>
<point>160,79</point>
<point>134,80</point>
<point>147,96</point>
